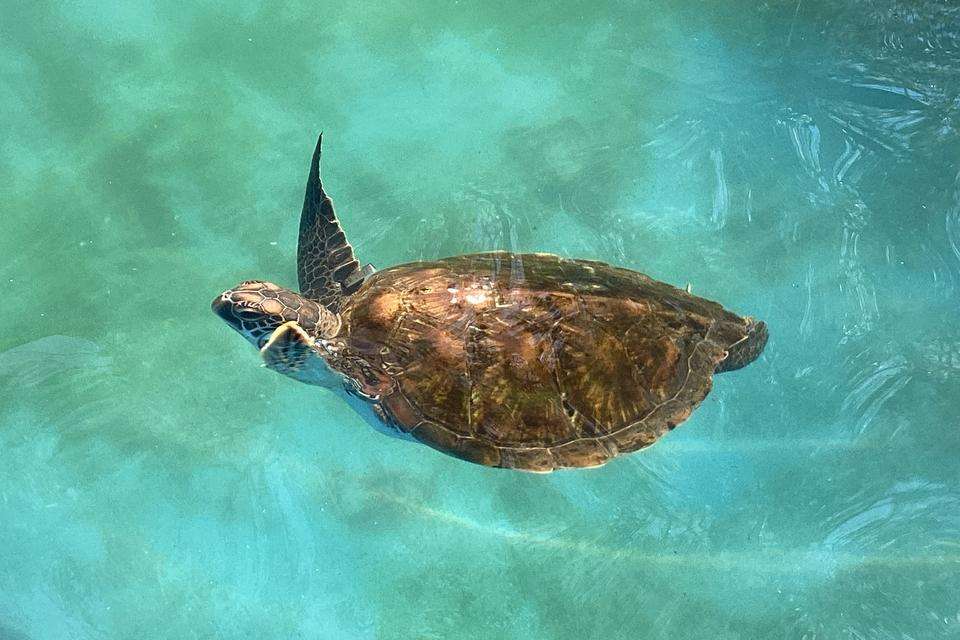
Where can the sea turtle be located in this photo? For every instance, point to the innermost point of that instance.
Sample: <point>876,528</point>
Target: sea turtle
<point>526,361</point>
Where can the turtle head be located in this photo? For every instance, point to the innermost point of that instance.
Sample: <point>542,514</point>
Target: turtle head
<point>255,309</point>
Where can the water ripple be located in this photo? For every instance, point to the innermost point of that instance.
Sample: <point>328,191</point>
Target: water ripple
<point>874,386</point>
<point>891,519</point>
<point>35,362</point>
<point>952,221</point>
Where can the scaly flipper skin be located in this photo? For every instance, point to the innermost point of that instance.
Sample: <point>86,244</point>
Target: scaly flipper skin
<point>288,349</point>
<point>292,351</point>
<point>326,267</point>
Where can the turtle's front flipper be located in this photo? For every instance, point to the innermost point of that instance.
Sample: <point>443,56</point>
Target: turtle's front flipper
<point>326,266</point>
<point>292,352</point>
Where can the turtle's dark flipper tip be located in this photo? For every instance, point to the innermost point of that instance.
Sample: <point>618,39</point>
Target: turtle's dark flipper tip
<point>748,350</point>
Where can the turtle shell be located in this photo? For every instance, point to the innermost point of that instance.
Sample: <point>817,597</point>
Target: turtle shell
<point>532,361</point>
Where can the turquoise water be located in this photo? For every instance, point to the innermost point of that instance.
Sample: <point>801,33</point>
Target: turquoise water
<point>795,160</point>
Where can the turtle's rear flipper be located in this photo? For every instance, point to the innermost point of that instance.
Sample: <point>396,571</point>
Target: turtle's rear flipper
<point>748,349</point>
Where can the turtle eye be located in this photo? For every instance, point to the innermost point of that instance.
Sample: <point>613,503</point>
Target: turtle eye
<point>248,315</point>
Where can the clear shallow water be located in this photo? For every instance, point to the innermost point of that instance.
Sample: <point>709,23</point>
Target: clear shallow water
<point>796,161</point>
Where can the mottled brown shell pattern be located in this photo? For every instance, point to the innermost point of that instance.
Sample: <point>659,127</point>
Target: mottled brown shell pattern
<point>533,361</point>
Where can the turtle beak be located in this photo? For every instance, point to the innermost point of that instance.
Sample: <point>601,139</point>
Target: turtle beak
<point>230,311</point>
<point>221,307</point>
